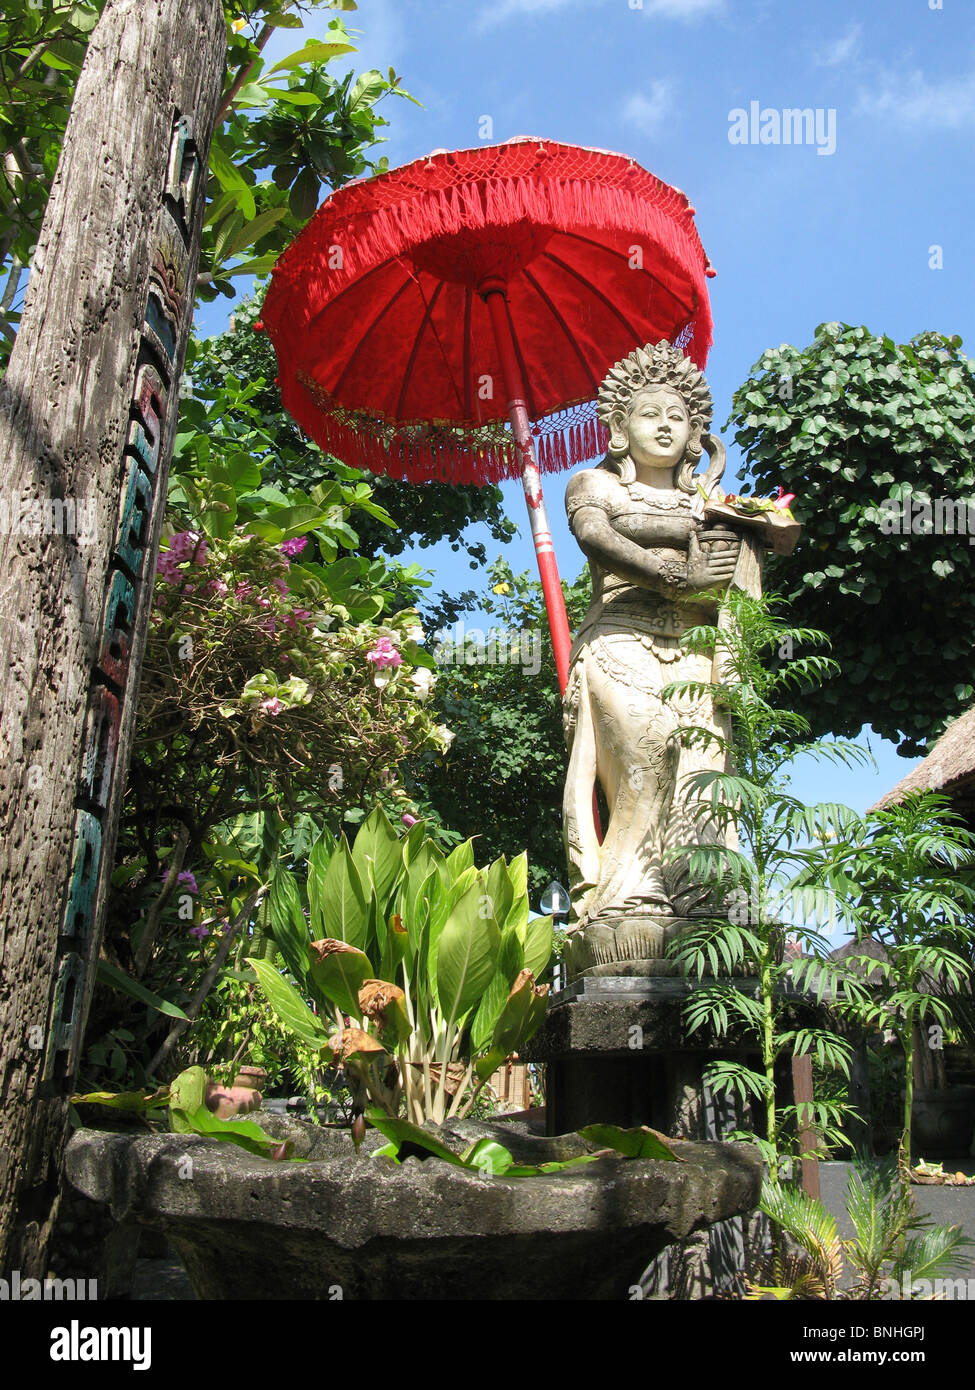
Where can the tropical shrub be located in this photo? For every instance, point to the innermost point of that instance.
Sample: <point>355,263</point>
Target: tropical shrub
<point>767,902</point>
<point>421,967</point>
<point>892,1250</point>
<point>875,438</point>
<point>902,880</point>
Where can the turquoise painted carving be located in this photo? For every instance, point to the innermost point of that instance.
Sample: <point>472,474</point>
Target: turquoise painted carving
<point>126,586</point>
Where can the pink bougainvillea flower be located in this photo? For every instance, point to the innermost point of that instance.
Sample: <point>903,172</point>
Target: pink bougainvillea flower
<point>217,586</point>
<point>384,654</point>
<point>268,625</point>
<point>408,820</point>
<point>184,545</point>
<point>294,546</point>
<point>280,585</point>
<point>300,615</point>
<point>784,500</point>
<point>264,602</point>
<point>242,590</point>
<point>272,706</point>
<point>167,567</point>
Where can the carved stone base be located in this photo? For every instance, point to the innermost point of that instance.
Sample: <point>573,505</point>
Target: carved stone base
<point>624,946</point>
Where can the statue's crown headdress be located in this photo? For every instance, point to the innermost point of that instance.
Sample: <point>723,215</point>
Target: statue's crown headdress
<point>654,365</point>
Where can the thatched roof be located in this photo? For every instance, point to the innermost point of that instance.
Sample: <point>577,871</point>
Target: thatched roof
<point>948,767</point>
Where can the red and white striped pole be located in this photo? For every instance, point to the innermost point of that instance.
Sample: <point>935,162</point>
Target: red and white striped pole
<point>493,294</point>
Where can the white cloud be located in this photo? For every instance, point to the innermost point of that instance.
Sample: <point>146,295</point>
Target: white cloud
<point>681,9</point>
<point>913,99</point>
<point>833,55</point>
<point>497,11</point>
<point>649,112</point>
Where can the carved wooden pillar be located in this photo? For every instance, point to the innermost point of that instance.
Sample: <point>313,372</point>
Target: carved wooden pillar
<point>87,418</point>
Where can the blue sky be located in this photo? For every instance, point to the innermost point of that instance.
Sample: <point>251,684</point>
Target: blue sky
<point>797,237</point>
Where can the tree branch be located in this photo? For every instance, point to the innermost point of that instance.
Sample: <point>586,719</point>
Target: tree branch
<point>206,984</point>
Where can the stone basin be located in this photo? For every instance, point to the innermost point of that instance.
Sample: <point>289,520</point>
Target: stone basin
<point>356,1227</point>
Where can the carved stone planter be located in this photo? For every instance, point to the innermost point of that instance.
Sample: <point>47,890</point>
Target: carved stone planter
<point>364,1228</point>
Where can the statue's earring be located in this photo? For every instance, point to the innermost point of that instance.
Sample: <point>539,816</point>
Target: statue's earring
<point>618,439</point>
<point>716,452</point>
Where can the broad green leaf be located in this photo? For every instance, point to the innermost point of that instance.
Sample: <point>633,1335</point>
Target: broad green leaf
<point>314,51</point>
<point>459,859</point>
<point>318,859</point>
<point>244,1133</point>
<point>467,955</point>
<point>631,1143</point>
<point>395,948</point>
<point>499,890</point>
<point>115,978</point>
<point>378,854</point>
<point>296,98</point>
<point>442,902</point>
<point>368,88</point>
<point>413,842</point>
<point>344,906</point>
<point>253,230</point>
<point>188,1090</point>
<point>288,925</point>
<point>340,971</point>
<point>489,1063</point>
<point>489,1010</point>
<point>538,944</point>
<point>518,874</point>
<point>401,1132</point>
<point>231,180</point>
<point>512,1025</point>
<point>134,1102</point>
<point>288,1004</point>
<point>488,1156</point>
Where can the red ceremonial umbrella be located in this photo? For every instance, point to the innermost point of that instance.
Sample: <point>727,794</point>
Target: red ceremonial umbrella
<point>420,309</point>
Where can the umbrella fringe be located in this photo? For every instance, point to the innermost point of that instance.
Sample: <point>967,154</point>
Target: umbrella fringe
<point>562,443</point>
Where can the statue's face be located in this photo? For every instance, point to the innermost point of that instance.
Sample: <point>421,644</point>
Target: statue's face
<point>659,427</point>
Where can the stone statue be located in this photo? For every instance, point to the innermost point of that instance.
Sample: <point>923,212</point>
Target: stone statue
<point>658,539</point>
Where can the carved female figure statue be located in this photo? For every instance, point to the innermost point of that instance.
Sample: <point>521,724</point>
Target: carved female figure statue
<point>639,518</point>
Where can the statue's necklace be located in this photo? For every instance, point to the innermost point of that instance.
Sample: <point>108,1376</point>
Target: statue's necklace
<point>663,499</point>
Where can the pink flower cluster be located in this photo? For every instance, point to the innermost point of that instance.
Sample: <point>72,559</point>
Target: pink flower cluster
<point>185,545</point>
<point>293,547</point>
<point>384,654</point>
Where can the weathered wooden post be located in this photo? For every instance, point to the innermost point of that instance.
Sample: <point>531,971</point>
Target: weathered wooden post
<point>87,417</point>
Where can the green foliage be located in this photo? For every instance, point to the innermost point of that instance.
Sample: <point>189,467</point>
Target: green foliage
<point>41,50</point>
<point>903,880</point>
<point>503,776</point>
<point>308,128</point>
<point>846,423</point>
<point>187,1112</point>
<point>295,120</point>
<point>767,901</point>
<point>433,959</point>
<point>891,1249</point>
<point>488,1157</point>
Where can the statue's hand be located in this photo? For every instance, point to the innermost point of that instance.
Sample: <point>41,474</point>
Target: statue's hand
<point>712,565</point>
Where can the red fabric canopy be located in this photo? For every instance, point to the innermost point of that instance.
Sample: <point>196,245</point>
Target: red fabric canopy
<point>385,348</point>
